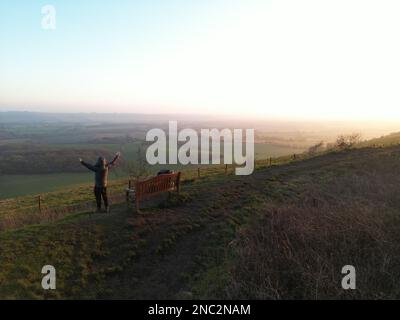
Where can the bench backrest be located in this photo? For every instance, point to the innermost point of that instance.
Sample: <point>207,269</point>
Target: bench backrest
<point>161,183</point>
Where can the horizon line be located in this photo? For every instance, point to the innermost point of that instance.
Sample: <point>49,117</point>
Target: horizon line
<point>215,117</point>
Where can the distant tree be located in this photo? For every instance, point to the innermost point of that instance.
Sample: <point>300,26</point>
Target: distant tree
<point>138,166</point>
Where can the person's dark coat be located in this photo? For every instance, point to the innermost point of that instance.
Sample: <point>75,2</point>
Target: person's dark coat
<point>101,170</point>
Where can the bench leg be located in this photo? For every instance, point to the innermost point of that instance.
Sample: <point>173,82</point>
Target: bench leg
<point>137,201</point>
<point>127,198</point>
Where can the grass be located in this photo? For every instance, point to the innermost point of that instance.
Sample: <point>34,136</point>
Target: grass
<point>57,199</point>
<point>283,233</point>
<point>346,213</point>
<point>82,249</point>
<point>73,195</point>
<point>298,253</point>
<point>384,141</point>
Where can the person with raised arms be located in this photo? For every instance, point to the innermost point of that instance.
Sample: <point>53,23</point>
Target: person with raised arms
<point>101,169</point>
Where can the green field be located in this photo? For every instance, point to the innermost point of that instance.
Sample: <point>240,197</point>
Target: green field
<point>19,185</point>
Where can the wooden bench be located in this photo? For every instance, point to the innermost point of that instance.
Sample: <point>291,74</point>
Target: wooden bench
<point>153,186</point>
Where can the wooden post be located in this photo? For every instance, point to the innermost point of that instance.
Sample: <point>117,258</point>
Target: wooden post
<point>138,196</point>
<point>127,192</point>
<point>40,203</point>
<point>315,203</point>
<point>137,205</point>
<point>178,183</point>
<point>226,169</point>
<point>198,172</point>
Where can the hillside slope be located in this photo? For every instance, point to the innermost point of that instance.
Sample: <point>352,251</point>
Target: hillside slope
<point>284,232</point>
<point>384,141</point>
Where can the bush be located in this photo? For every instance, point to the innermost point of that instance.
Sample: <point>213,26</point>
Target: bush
<point>347,141</point>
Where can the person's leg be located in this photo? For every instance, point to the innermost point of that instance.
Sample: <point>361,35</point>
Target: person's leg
<point>105,198</point>
<point>97,193</point>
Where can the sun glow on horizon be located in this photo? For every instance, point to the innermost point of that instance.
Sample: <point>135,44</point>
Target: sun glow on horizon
<point>297,59</point>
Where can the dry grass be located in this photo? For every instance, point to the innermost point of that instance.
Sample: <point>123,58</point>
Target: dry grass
<point>297,249</point>
<point>20,219</point>
<point>298,253</point>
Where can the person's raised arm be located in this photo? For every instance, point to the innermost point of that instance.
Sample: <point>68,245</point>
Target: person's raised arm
<point>87,165</point>
<point>117,155</point>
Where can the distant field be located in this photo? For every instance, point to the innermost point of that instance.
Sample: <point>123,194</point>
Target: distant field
<point>20,185</point>
<point>39,158</point>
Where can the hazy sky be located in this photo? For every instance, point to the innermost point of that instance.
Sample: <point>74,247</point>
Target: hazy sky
<point>295,58</point>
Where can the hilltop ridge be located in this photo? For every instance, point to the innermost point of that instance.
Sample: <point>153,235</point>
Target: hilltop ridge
<point>191,246</point>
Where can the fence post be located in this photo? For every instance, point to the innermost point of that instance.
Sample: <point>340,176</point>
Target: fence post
<point>198,172</point>
<point>226,169</point>
<point>128,191</point>
<point>40,203</point>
